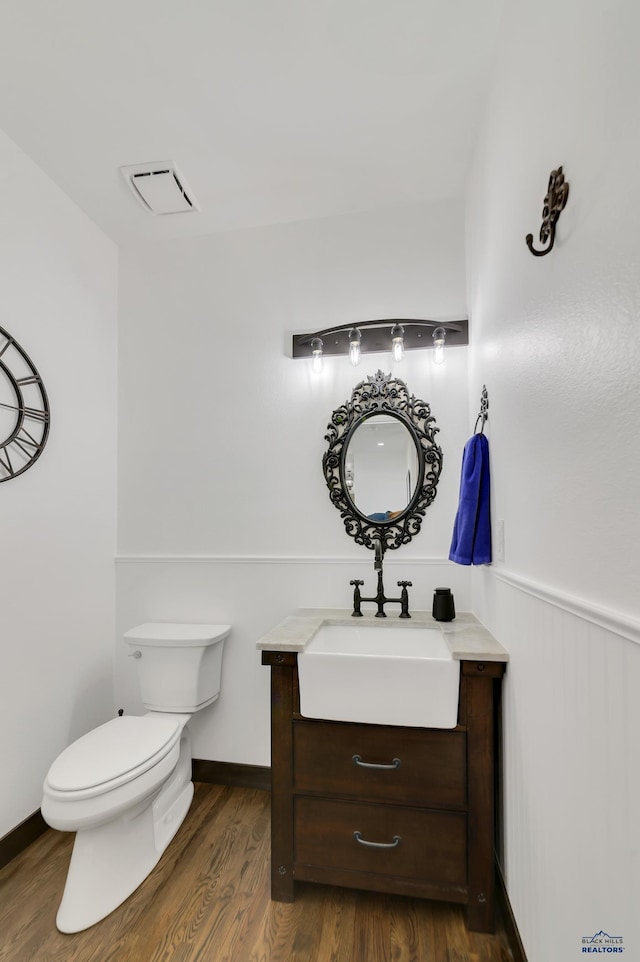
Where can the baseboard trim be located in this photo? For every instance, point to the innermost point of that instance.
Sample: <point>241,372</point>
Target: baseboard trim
<point>232,773</point>
<point>19,838</point>
<point>508,918</point>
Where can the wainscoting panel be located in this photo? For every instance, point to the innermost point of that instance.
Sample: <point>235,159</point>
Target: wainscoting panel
<point>252,594</point>
<point>571,732</point>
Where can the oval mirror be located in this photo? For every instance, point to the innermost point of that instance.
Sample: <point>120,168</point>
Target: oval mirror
<point>382,465</point>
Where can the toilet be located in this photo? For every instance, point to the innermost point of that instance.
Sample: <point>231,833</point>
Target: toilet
<point>125,787</point>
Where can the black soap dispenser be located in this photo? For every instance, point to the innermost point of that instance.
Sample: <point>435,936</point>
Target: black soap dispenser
<point>444,608</point>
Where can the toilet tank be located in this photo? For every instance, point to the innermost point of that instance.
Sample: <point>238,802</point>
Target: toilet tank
<point>179,665</point>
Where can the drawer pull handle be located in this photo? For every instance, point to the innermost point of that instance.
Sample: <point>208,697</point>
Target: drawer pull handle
<point>357,760</point>
<point>363,841</point>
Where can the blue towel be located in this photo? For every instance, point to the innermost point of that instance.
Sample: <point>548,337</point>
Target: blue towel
<point>471,542</point>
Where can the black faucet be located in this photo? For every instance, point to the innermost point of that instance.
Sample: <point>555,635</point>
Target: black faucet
<point>380,598</point>
<point>379,551</point>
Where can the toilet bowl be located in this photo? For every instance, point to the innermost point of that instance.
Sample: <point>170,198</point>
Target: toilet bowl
<point>125,787</point>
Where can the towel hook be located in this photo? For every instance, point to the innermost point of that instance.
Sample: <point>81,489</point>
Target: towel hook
<point>554,203</point>
<point>484,407</point>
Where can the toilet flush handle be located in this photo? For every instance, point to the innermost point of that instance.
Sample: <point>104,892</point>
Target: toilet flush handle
<point>135,654</point>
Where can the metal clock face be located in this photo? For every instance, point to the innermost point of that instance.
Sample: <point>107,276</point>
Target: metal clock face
<point>24,410</point>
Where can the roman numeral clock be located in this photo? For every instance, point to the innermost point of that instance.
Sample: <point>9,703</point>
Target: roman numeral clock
<point>24,410</point>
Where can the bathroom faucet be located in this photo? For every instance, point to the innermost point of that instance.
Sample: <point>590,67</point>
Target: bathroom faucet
<point>380,599</point>
<point>377,563</point>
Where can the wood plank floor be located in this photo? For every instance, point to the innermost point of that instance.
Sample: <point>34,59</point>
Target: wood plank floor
<point>208,901</point>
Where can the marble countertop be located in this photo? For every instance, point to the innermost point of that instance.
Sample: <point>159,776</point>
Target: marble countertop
<point>467,639</point>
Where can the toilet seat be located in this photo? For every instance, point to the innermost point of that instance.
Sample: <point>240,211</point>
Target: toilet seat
<point>74,810</point>
<point>111,755</point>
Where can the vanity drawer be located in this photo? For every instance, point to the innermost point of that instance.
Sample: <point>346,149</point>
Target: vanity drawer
<point>331,758</point>
<point>432,846</point>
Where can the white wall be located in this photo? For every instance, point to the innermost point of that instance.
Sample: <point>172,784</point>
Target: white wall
<point>556,340</point>
<point>224,513</point>
<point>58,298</point>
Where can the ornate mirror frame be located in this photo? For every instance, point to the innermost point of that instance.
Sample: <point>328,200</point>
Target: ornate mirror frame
<point>383,394</point>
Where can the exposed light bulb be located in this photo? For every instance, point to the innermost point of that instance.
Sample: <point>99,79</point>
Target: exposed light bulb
<point>316,355</point>
<point>397,342</point>
<point>354,346</point>
<point>439,336</point>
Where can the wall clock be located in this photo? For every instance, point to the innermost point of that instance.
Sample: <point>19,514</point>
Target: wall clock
<point>24,410</point>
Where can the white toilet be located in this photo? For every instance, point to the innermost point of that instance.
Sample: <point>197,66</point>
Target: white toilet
<point>126,787</point>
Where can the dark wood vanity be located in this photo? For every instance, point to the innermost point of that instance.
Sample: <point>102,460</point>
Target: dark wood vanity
<point>424,798</point>
<point>404,810</point>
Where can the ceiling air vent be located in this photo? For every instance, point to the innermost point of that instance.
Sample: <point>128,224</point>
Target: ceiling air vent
<point>160,187</point>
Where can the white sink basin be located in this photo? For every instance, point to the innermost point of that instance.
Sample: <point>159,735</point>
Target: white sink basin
<point>380,675</point>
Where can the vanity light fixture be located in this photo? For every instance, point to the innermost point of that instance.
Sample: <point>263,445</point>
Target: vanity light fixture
<point>316,354</point>
<point>355,337</point>
<point>439,337</point>
<point>375,337</point>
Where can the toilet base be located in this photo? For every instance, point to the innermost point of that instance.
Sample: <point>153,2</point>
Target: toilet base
<point>109,862</point>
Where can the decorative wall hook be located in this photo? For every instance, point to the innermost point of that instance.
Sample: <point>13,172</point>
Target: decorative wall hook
<point>484,409</point>
<point>554,203</point>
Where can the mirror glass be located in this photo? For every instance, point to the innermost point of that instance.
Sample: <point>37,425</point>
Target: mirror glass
<point>382,464</point>
<point>381,467</point>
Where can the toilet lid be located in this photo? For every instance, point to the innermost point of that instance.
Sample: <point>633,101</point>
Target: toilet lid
<point>122,745</point>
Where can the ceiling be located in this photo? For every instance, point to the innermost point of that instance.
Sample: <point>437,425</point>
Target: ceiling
<point>273,110</point>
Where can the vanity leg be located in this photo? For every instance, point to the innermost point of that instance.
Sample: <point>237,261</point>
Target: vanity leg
<point>481,873</point>
<point>282,885</point>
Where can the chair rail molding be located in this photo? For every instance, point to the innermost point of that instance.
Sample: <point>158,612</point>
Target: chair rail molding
<point>618,623</point>
<point>270,559</point>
